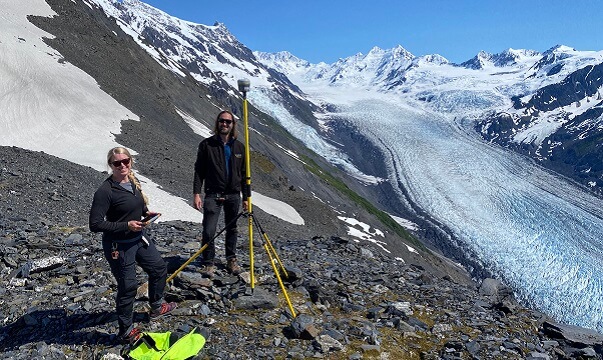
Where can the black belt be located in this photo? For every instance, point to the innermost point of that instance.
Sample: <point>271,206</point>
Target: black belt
<point>220,194</point>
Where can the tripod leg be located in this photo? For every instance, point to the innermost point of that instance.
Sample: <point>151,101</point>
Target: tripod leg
<point>280,282</point>
<point>269,243</point>
<point>202,249</point>
<point>186,263</point>
<point>251,257</point>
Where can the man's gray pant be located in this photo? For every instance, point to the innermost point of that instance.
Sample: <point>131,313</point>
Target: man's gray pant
<point>212,206</point>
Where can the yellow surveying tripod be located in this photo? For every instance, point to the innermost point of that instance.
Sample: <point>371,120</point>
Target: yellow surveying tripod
<point>270,251</point>
<point>244,86</point>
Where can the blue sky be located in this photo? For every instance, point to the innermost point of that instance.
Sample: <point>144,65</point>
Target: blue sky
<point>456,29</point>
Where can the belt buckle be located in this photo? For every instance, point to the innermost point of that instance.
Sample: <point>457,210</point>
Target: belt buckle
<point>114,251</point>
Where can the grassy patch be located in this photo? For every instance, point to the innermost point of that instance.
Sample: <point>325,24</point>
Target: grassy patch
<point>261,162</point>
<point>70,229</point>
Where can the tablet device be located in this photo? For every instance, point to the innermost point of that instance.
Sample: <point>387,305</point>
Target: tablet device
<point>150,219</point>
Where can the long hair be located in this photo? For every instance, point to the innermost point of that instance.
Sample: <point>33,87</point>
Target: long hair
<point>133,179</point>
<point>233,132</point>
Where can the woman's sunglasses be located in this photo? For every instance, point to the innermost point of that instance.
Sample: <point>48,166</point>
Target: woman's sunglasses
<point>117,163</point>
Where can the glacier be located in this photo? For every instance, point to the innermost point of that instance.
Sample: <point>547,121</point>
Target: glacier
<point>538,231</point>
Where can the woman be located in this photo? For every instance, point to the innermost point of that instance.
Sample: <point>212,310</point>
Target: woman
<point>117,209</point>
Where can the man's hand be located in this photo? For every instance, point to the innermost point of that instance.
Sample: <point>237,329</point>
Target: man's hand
<point>197,202</point>
<point>245,205</point>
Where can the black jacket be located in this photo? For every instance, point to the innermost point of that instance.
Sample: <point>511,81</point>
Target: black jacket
<point>210,167</point>
<point>112,208</point>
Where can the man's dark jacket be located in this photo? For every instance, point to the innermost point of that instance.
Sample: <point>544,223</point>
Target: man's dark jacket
<point>210,167</point>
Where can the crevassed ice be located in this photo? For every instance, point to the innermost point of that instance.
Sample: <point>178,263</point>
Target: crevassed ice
<point>538,231</point>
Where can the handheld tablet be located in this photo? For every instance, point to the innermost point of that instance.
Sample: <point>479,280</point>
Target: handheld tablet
<point>150,219</point>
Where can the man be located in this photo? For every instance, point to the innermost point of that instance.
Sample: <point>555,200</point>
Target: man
<point>221,166</point>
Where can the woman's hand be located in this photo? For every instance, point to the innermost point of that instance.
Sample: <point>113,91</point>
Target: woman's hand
<point>134,225</point>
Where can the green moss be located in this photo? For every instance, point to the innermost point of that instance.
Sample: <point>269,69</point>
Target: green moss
<point>70,229</point>
<point>261,162</point>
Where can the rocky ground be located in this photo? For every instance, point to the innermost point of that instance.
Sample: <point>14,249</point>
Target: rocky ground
<point>351,301</point>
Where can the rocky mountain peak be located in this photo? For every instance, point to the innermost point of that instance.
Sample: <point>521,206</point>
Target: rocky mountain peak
<point>559,49</point>
<point>509,57</point>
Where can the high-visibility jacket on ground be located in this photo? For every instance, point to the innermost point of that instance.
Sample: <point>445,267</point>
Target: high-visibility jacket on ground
<point>167,346</point>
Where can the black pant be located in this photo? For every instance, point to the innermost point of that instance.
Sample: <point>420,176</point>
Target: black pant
<point>124,270</point>
<point>212,206</point>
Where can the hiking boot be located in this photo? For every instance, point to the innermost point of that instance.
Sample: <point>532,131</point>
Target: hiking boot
<point>163,309</point>
<point>130,336</point>
<point>233,267</point>
<point>209,270</point>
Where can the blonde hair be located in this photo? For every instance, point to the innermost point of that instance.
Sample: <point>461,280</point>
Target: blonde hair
<point>133,179</point>
<point>233,132</point>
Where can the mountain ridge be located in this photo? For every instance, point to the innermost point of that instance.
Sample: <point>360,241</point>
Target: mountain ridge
<point>546,83</point>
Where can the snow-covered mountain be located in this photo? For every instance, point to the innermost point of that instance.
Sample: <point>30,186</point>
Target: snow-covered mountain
<point>558,124</point>
<point>545,105</point>
<point>507,58</point>
<point>405,127</point>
